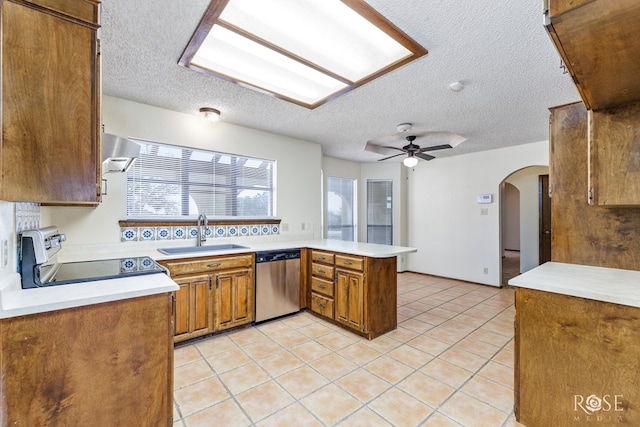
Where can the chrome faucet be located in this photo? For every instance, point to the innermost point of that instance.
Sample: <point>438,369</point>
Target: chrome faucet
<point>202,234</point>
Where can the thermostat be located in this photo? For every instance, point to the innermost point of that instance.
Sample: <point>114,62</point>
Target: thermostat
<point>484,198</point>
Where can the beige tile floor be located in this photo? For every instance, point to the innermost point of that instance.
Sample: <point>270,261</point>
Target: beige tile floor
<point>449,363</point>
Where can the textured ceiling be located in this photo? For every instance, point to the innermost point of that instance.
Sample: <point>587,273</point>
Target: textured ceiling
<point>498,49</point>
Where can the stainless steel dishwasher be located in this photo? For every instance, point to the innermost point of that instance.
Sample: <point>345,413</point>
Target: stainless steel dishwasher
<point>277,283</point>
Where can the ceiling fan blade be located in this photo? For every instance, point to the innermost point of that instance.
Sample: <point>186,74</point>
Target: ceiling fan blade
<point>424,156</point>
<point>436,147</point>
<point>395,148</point>
<point>378,149</point>
<point>391,157</point>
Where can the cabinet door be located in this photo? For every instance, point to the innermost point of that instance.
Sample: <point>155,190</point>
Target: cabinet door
<point>50,107</point>
<point>233,299</point>
<point>192,309</point>
<point>349,299</point>
<point>614,156</point>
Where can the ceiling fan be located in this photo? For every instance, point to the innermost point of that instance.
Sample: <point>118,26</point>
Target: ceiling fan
<point>414,151</point>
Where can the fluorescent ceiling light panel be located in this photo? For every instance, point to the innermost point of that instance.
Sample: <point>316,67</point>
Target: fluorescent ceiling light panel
<point>304,51</point>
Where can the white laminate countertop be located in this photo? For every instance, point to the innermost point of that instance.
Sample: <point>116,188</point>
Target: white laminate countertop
<point>15,301</point>
<point>150,249</point>
<point>584,281</point>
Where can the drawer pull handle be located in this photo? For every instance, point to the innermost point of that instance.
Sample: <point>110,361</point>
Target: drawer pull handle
<point>321,305</point>
<point>215,264</point>
<point>347,262</point>
<point>321,286</point>
<point>321,271</point>
<point>321,257</point>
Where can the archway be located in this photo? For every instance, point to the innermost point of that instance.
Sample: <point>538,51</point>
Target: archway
<point>519,205</point>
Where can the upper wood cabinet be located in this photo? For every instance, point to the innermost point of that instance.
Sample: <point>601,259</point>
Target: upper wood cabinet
<point>50,146</point>
<point>614,156</point>
<point>599,43</point>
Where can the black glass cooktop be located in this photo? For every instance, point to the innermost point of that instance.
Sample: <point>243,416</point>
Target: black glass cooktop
<point>74,272</point>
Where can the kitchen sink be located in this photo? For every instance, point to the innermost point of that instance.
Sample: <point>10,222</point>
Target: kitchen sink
<point>205,248</point>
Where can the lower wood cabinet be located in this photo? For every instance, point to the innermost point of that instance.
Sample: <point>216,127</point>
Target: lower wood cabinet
<point>216,293</point>
<point>350,298</point>
<point>108,364</point>
<point>193,309</point>
<point>234,300</point>
<point>359,293</point>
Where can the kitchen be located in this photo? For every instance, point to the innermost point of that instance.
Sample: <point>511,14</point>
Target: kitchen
<point>301,168</point>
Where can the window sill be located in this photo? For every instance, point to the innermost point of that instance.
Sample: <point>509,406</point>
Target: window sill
<point>179,222</point>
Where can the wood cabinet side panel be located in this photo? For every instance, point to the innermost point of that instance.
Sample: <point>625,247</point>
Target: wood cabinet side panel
<point>380,295</point>
<point>49,107</point>
<point>569,346</point>
<point>305,278</point>
<point>580,233</point>
<point>105,364</point>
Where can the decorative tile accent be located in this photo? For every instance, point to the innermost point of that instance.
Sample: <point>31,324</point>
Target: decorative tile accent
<point>129,234</point>
<point>128,264</point>
<point>147,263</point>
<point>193,232</point>
<point>179,233</point>
<point>147,233</point>
<point>163,233</point>
<point>221,231</point>
<point>134,234</point>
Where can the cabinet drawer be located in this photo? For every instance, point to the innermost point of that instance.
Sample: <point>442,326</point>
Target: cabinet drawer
<point>204,265</point>
<point>324,257</point>
<point>321,270</point>
<point>322,286</point>
<point>352,263</point>
<point>322,305</point>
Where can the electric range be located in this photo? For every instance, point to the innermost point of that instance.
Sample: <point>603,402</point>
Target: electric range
<point>39,267</point>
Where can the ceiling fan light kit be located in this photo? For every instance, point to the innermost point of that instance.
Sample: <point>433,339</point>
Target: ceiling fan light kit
<point>410,161</point>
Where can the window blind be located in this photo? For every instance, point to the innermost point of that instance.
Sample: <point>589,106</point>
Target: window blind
<point>379,212</point>
<point>173,181</point>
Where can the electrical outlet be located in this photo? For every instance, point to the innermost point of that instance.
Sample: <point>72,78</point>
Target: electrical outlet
<point>485,270</point>
<point>484,211</point>
<point>284,226</point>
<point>302,226</point>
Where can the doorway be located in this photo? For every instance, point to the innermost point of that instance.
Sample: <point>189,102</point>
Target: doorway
<point>523,221</point>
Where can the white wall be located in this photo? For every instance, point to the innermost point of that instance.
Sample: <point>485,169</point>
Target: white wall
<point>510,217</point>
<point>298,165</point>
<point>444,220</point>
<point>8,234</point>
<point>526,181</point>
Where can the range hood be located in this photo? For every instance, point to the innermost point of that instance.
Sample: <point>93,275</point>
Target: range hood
<point>118,153</point>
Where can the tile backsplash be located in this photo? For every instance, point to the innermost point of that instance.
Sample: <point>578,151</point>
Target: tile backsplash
<point>140,234</point>
<point>27,216</point>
